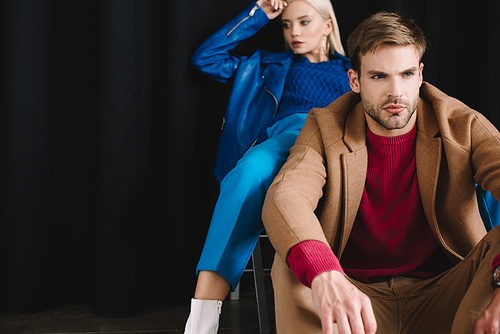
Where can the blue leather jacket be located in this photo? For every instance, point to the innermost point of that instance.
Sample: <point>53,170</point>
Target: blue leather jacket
<point>257,84</point>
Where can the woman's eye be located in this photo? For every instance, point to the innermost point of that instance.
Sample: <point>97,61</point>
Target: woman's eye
<point>304,23</point>
<point>286,26</point>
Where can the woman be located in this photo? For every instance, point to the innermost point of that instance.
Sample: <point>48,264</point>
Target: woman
<point>257,135</point>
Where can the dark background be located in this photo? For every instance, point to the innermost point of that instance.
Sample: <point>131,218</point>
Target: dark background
<point>108,137</point>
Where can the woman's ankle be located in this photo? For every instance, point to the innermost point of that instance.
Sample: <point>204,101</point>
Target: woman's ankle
<point>211,286</point>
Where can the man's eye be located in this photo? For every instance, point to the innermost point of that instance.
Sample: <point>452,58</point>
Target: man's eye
<point>408,74</point>
<point>378,76</point>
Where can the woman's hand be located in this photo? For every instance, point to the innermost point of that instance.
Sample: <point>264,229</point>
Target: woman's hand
<point>272,8</point>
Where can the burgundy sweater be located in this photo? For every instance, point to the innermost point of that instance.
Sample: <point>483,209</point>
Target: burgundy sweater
<point>391,235</point>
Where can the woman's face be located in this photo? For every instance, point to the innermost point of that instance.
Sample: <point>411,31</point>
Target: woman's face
<point>305,31</point>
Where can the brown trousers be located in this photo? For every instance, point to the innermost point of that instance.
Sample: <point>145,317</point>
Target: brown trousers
<point>448,303</point>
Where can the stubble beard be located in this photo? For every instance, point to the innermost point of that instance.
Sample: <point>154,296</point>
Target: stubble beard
<point>395,121</point>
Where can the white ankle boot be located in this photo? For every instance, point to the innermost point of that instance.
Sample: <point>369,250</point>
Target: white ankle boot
<point>204,317</point>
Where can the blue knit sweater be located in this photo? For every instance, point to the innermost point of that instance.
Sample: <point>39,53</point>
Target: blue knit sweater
<point>312,85</point>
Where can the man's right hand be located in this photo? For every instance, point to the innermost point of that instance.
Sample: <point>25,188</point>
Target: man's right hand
<point>338,301</point>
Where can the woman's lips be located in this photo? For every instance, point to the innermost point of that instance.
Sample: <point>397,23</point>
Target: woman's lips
<point>296,44</point>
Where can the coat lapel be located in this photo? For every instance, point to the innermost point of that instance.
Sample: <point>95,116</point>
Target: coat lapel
<point>354,166</point>
<point>428,159</point>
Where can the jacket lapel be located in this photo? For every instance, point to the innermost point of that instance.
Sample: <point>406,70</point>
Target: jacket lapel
<point>354,166</point>
<point>428,160</point>
<point>428,156</point>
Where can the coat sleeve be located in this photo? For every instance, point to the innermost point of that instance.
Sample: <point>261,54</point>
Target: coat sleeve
<point>289,208</point>
<point>486,154</point>
<point>213,58</point>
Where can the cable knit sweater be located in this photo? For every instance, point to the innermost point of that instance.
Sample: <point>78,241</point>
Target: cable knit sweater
<point>312,85</point>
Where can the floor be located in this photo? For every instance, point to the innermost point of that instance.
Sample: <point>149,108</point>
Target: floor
<point>238,317</point>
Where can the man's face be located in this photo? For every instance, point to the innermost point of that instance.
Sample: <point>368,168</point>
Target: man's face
<point>389,83</point>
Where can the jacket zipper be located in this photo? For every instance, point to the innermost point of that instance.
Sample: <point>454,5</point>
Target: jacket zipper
<point>275,112</point>
<point>246,18</point>
<point>275,101</point>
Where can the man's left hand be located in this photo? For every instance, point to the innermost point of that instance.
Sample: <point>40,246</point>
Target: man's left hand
<point>489,320</point>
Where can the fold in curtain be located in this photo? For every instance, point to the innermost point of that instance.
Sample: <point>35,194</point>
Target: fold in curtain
<point>106,186</point>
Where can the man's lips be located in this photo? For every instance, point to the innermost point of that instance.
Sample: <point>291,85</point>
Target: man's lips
<point>394,108</point>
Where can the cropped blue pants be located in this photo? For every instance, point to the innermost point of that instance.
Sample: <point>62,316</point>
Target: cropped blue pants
<point>236,221</point>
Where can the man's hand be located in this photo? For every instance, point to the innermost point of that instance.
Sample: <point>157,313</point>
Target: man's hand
<point>338,301</point>
<point>489,320</point>
<point>272,8</point>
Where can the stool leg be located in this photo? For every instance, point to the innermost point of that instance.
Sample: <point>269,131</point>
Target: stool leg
<point>260,289</point>
<point>235,295</point>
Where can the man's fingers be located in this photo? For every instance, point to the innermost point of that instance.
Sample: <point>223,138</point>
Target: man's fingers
<point>357,326</point>
<point>343,325</point>
<point>369,320</point>
<point>327,323</point>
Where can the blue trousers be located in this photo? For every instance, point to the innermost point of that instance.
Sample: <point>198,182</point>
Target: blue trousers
<point>236,221</point>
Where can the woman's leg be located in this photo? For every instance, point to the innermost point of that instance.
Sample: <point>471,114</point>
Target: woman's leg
<point>234,230</point>
<point>236,222</point>
<point>211,285</point>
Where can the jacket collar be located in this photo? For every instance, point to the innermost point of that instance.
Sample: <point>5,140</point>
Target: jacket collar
<point>355,129</point>
<point>287,57</point>
<point>426,117</point>
<point>282,58</point>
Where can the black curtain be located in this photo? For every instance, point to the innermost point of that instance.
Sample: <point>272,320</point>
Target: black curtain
<point>108,137</point>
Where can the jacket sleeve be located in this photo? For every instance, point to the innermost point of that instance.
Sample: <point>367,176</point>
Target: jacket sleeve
<point>213,58</point>
<point>485,140</point>
<point>289,208</point>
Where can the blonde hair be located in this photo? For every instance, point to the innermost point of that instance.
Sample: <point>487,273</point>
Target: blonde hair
<point>325,9</point>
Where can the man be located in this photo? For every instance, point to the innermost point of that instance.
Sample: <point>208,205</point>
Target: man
<point>374,216</point>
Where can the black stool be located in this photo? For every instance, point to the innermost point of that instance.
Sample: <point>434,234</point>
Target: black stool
<point>260,287</point>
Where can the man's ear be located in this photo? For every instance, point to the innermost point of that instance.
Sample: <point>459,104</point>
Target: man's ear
<point>421,74</point>
<point>353,80</point>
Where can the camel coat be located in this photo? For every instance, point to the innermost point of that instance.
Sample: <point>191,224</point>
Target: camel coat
<point>318,191</point>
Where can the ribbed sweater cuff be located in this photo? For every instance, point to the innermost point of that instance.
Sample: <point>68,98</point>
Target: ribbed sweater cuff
<point>311,258</point>
<point>495,264</point>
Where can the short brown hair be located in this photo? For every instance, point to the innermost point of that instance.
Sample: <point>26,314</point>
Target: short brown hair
<point>384,28</point>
